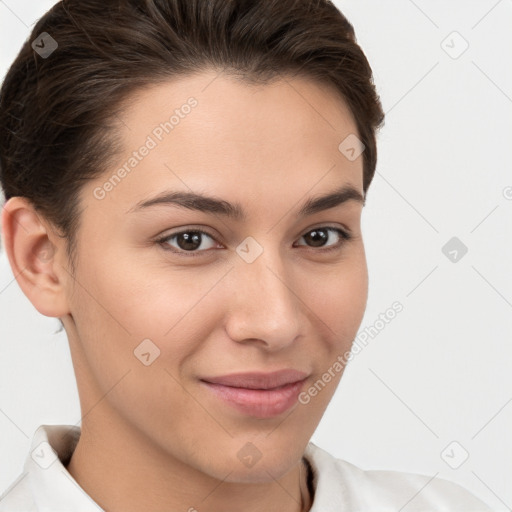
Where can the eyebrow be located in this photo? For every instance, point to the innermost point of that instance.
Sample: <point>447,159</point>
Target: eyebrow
<point>208,204</point>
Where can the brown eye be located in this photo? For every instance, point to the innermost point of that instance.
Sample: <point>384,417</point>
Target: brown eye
<point>319,237</point>
<point>189,241</point>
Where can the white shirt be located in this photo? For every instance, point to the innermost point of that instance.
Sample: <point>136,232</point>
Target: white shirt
<point>46,486</point>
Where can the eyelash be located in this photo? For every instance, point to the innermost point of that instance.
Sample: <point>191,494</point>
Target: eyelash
<point>345,236</point>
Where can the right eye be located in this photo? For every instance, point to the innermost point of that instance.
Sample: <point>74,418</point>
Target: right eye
<point>189,242</point>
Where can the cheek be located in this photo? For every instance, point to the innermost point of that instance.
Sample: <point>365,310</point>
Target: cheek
<point>128,315</point>
<point>122,351</point>
<point>339,299</point>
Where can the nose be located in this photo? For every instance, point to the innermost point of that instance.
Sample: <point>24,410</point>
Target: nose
<point>264,307</point>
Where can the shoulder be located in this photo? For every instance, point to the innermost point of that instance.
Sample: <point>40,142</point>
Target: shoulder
<point>384,490</point>
<point>18,496</point>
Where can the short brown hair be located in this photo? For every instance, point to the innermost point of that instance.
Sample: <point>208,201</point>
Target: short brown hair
<point>57,113</point>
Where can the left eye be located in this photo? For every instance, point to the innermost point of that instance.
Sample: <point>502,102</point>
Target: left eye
<point>189,242</point>
<point>319,236</point>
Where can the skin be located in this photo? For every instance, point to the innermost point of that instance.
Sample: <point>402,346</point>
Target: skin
<point>152,437</point>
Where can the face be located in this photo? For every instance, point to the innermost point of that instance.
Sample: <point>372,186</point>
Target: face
<point>168,295</point>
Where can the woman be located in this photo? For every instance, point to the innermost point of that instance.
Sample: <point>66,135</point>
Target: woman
<point>184,183</point>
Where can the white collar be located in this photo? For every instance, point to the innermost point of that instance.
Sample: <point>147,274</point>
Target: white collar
<point>51,483</point>
<point>47,486</point>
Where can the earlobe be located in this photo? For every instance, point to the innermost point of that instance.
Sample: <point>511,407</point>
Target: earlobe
<point>34,257</point>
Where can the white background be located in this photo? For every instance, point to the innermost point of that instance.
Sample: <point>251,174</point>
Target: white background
<point>441,370</point>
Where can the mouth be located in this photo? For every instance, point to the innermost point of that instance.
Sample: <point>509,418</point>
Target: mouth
<point>261,395</point>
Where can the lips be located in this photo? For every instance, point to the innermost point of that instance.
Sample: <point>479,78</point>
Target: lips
<point>261,395</point>
<point>258,380</point>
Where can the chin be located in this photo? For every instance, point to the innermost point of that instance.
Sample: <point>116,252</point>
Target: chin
<point>260,462</point>
<point>243,462</point>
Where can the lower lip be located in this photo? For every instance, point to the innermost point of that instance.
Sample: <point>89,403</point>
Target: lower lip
<point>261,403</point>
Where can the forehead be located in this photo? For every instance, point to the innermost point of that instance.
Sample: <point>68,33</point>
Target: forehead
<point>213,131</point>
<point>228,102</point>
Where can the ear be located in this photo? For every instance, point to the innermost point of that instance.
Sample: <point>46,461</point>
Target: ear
<point>35,254</point>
